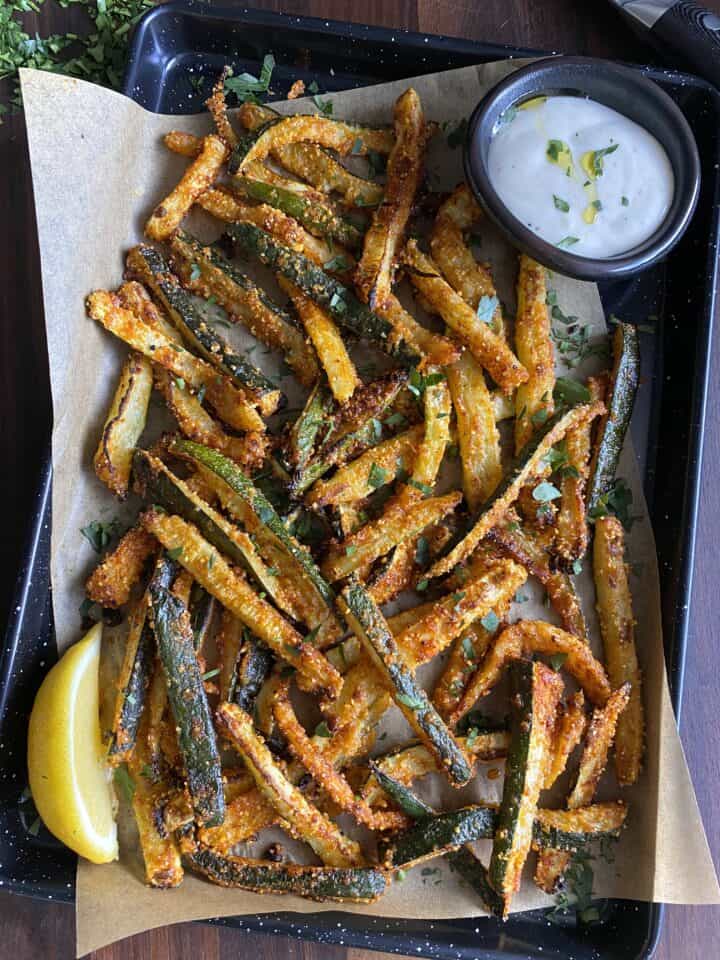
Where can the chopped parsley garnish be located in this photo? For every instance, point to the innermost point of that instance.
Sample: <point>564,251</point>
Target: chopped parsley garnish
<point>337,264</point>
<point>596,204</point>
<point>571,337</point>
<point>179,383</point>
<point>468,649</point>
<point>490,621</point>
<point>554,149</point>
<point>99,534</point>
<point>396,420</point>
<point>377,163</point>
<point>561,204</point>
<point>557,660</point>
<point>418,384</point>
<point>211,673</point>
<point>350,550</point>
<point>568,242</point>
<point>337,303</point>
<point>624,201</point>
<point>246,87</point>
<point>313,87</point>
<point>324,106</point>
<point>456,137</point>
<point>422,552</point>
<point>377,476</point>
<point>617,501</point>
<point>195,272</point>
<point>595,163</point>
<point>422,585</point>
<point>422,487</point>
<point>545,492</point>
<point>322,730</point>
<point>569,392</point>
<point>486,308</point>
<point>415,703</point>
<point>472,735</point>
<point>175,553</point>
<point>125,782</point>
<point>576,895</point>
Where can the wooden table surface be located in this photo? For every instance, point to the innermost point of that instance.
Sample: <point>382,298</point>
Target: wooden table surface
<point>31,929</point>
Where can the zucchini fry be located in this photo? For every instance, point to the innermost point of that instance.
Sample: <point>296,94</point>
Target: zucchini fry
<point>195,423</point>
<point>329,345</point>
<point>147,264</point>
<point>569,730</point>
<point>436,349</point>
<point>488,348</point>
<point>613,427</point>
<point>370,627</point>
<point>395,573</point>
<point>244,301</point>
<point>243,501</point>
<point>228,586</point>
<point>339,301</point>
<point>478,437</point>
<point>467,652</point>
<point>114,577</point>
<point>303,436</point>
<point>571,537</point>
<point>124,425</point>
<point>378,537</point>
<point>451,616</point>
<point>200,175</point>
<point>471,279</point>
<point>245,816</point>
<point>132,684</point>
<point>536,691</point>
<point>187,700</point>
<point>160,485</point>
<point>299,816</point>
<point>343,138</point>
<point>182,143</point>
<point>373,469</point>
<point>534,348</point>
<point>163,868</point>
<point>521,471</point>
<point>313,164</point>
<point>617,625</point>
<point>358,885</point>
<point>373,277</point>
<point>230,402</point>
<point>525,546</point>
<point>552,863</point>
<point>535,636</point>
<point>218,110</point>
<point>309,753</point>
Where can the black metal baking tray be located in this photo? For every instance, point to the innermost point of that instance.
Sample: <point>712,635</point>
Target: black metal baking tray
<point>178,41</point>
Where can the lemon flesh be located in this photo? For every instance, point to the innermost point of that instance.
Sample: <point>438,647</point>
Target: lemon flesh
<point>69,778</point>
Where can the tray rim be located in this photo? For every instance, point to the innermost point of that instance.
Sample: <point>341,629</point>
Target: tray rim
<point>700,390</point>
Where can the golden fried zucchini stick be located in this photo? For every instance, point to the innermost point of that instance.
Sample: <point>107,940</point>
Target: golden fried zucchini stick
<point>112,580</point>
<point>230,588</point>
<point>299,816</point>
<point>249,451</point>
<point>534,348</point>
<point>471,279</point>
<point>525,546</point>
<point>466,654</point>
<point>124,425</point>
<point>328,342</point>
<point>569,730</point>
<point>478,437</point>
<point>206,272</point>
<point>229,401</point>
<point>572,529</point>
<point>552,864</point>
<point>489,349</point>
<point>309,753</point>
<point>378,537</point>
<point>617,625</point>
<point>535,636</point>
<point>218,109</point>
<point>374,468</point>
<point>509,489</point>
<point>373,277</point>
<point>200,175</point>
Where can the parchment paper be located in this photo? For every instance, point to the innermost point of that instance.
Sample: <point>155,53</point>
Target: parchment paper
<point>99,167</point>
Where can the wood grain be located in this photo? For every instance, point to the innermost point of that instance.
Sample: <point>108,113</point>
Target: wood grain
<point>31,929</point>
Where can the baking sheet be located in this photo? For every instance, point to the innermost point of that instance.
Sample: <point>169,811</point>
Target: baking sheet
<point>98,169</point>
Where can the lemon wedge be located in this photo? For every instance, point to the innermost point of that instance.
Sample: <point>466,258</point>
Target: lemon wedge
<point>69,778</point>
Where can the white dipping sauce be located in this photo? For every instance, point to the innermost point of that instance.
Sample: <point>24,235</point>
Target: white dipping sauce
<point>580,175</point>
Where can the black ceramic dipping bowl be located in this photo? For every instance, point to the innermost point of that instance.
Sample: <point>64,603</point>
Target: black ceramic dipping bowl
<point>621,88</point>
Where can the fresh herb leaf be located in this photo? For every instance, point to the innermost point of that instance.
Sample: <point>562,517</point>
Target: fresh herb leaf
<point>99,534</point>
<point>624,201</point>
<point>377,163</point>
<point>490,621</point>
<point>486,308</point>
<point>468,649</point>
<point>313,87</point>
<point>246,87</point>
<point>557,660</point>
<point>597,159</point>
<point>195,272</point>
<point>568,242</point>
<point>350,550</point>
<point>337,264</point>
<point>554,149</point>
<point>175,553</point>
<point>415,703</point>
<point>211,673</point>
<point>324,106</point>
<point>396,420</point>
<point>322,730</point>
<point>577,567</point>
<point>561,204</point>
<point>539,417</point>
<point>125,782</point>
<point>472,735</point>
<point>419,485</point>
<point>422,552</point>
<point>569,392</point>
<point>34,828</point>
<point>377,476</point>
<point>617,501</point>
<point>422,585</point>
<point>545,492</point>
<point>179,383</point>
